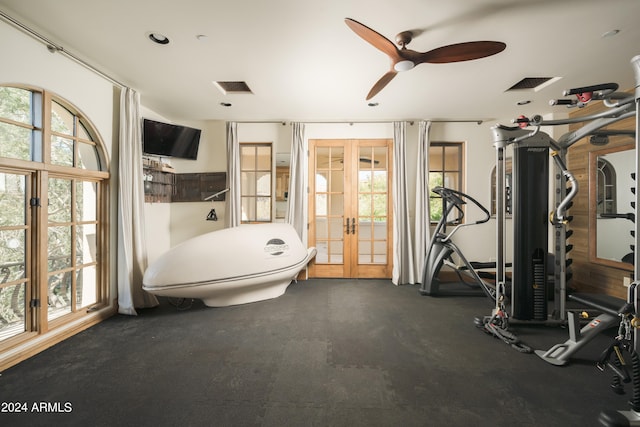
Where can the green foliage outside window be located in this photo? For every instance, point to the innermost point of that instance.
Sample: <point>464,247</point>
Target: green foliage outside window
<point>435,202</point>
<point>15,140</point>
<point>372,203</point>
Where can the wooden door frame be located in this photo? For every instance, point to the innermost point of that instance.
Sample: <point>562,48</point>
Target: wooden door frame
<point>350,267</point>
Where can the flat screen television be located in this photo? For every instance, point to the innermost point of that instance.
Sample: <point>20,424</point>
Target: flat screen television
<point>167,140</point>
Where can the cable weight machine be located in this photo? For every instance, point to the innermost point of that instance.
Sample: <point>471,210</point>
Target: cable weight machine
<point>530,196</point>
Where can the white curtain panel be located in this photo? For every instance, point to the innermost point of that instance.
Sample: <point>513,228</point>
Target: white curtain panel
<point>296,214</point>
<point>403,265</point>
<point>233,204</point>
<point>422,219</point>
<point>132,250</point>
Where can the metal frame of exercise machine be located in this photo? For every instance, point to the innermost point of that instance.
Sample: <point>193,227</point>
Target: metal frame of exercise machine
<point>621,106</point>
<point>530,219</point>
<point>529,266</point>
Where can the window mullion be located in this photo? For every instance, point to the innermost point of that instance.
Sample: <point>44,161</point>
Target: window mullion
<point>75,141</point>
<point>46,128</point>
<point>73,232</point>
<point>40,267</point>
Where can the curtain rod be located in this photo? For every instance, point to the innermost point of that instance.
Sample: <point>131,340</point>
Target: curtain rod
<point>282,122</point>
<point>352,122</point>
<point>478,122</point>
<point>410,121</point>
<point>55,48</point>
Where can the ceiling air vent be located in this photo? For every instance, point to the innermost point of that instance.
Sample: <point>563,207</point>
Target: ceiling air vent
<point>233,87</point>
<point>535,83</point>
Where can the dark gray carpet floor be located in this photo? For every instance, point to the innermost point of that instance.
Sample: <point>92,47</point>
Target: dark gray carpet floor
<point>327,353</point>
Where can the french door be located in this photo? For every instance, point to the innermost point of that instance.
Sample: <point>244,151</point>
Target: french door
<point>350,207</point>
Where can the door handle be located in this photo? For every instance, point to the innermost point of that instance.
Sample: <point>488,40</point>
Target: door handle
<point>353,226</point>
<point>347,229</point>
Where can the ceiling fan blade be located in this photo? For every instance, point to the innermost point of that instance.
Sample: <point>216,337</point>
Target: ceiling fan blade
<point>462,52</point>
<point>374,38</point>
<point>384,80</point>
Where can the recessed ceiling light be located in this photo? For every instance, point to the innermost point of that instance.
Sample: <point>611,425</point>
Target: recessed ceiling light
<point>524,102</point>
<point>610,33</point>
<point>158,38</point>
<point>225,104</point>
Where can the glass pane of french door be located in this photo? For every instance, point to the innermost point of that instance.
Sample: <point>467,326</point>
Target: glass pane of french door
<point>14,247</point>
<point>329,204</point>
<point>86,243</point>
<point>372,205</point>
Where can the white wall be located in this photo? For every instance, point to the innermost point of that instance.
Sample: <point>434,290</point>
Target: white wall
<point>169,224</point>
<point>26,61</point>
<point>188,219</point>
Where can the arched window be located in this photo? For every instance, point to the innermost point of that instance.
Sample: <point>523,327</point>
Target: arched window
<point>53,227</point>
<point>605,187</point>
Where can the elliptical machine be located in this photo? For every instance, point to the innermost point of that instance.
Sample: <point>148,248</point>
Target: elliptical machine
<point>442,249</point>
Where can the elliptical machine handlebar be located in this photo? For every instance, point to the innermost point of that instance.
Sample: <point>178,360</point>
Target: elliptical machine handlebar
<point>457,199</point>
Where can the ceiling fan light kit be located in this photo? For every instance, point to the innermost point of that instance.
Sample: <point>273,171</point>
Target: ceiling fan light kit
<point>405,65</point>
<point>403,59</point>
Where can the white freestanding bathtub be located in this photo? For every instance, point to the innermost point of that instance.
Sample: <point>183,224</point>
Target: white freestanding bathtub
<point>237,265</point>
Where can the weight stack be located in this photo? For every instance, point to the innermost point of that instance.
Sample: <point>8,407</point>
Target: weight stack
<point>530,231</point>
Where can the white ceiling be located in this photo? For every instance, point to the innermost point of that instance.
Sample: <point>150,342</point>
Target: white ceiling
<point>303,63</point>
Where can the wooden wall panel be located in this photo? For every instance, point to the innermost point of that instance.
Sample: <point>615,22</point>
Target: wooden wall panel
<point>589,276</point>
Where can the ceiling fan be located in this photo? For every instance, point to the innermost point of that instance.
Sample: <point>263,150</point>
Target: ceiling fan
<point>404,59</point>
